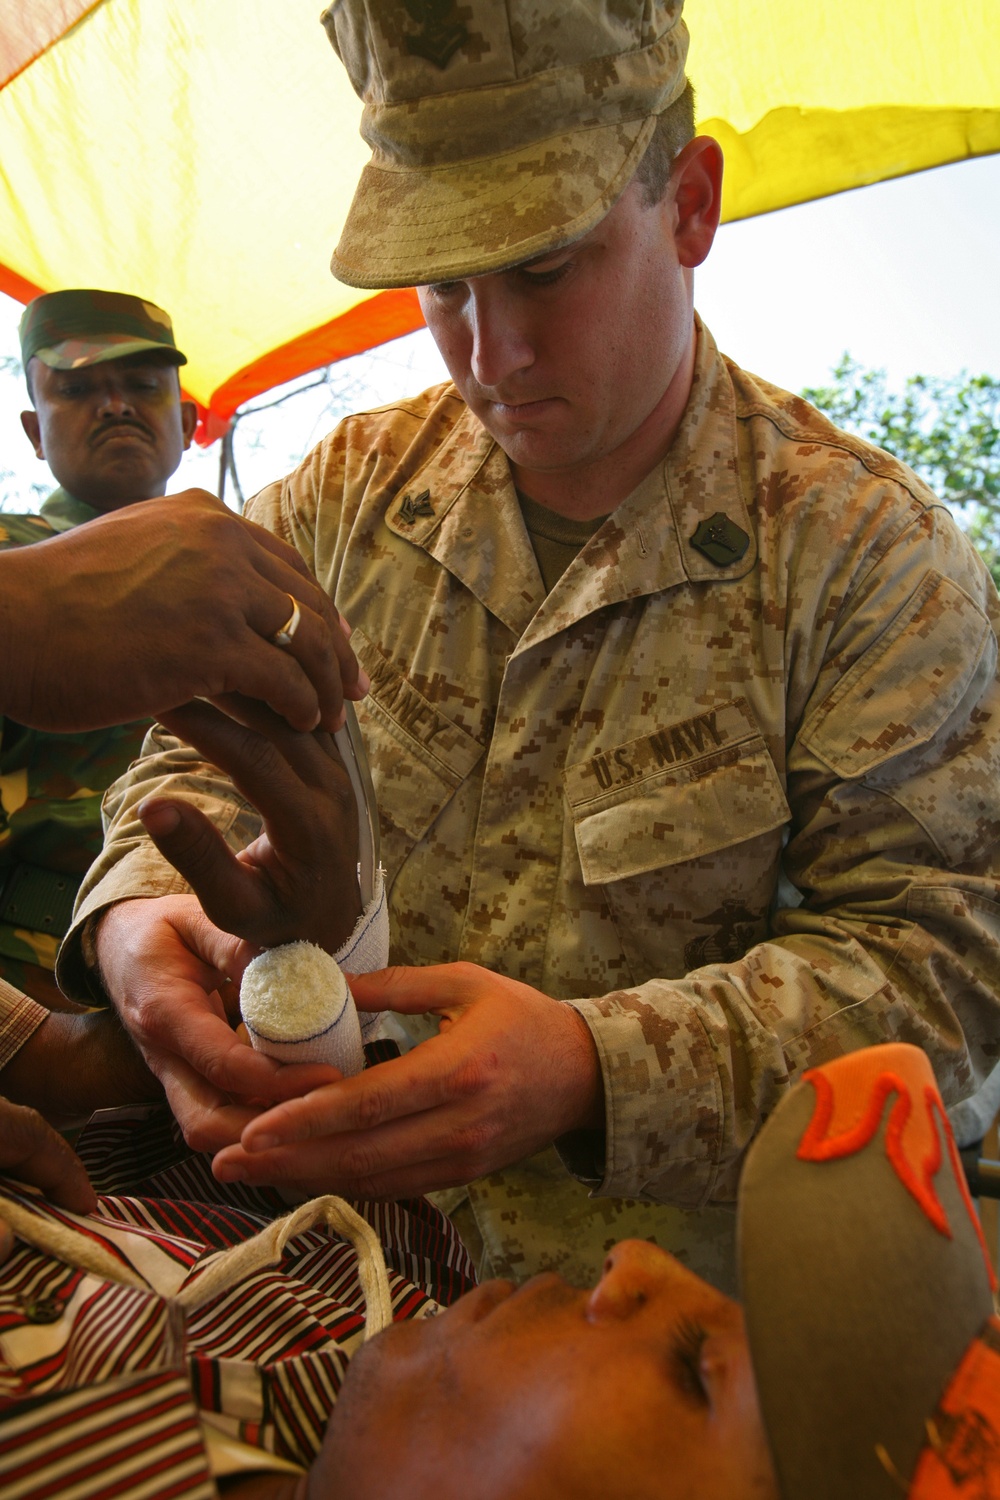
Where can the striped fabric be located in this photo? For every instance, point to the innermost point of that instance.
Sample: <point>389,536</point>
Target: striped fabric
<point>138,1436</point>
<point>104,1389</point>
<point>20,1018</point>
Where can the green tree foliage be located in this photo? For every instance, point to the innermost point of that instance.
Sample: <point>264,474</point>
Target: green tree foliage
<point>947,430</point>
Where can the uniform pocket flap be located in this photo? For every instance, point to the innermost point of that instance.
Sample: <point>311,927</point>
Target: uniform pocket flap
<point>410,743</point>
<point>908,684</point>
<point>686,790</point>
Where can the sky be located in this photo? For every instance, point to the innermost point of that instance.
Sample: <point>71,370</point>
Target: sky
<point>902,275</point>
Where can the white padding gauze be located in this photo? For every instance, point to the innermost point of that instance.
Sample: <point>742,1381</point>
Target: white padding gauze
<point>295,1001</point>
<point>297,1008</point>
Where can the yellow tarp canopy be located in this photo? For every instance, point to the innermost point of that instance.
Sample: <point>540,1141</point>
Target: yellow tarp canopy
<point>202,152</point>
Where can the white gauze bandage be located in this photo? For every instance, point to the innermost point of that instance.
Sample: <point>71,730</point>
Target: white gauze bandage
<point>367,949</point>
<point>296,1003</point>
<point>297,1008</point>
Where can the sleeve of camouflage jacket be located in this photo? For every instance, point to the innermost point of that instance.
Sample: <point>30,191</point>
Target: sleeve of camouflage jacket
<point>890,927</point>
<point>130,865</point>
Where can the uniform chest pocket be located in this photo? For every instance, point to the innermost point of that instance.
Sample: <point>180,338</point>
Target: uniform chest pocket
<point>418,757</point>
<point>685,791</point>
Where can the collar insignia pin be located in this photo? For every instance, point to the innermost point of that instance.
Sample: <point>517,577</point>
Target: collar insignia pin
<point>720,540</point>
<point>412,508</point>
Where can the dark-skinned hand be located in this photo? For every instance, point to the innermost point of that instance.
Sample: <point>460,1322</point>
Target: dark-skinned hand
<point>74,1063</point>
<point>184,598</point>
<point>31,1151</point>
<point>299,878</point>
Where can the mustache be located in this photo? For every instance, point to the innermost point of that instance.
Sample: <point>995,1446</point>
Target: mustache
<point>115,424</point>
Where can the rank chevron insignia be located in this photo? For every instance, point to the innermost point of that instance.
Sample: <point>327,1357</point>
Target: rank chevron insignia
<point>412,508</point>
<point>441,33</point>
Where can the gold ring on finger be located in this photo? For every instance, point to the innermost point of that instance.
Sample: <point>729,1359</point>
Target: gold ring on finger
<point>283,637</point>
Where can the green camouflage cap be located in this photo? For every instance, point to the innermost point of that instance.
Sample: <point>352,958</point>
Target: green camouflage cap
<point>82,326</point>
<point>498,132</point>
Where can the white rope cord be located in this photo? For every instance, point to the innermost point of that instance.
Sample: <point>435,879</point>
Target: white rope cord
<point>68,1245</point>
<point>227,1267</point>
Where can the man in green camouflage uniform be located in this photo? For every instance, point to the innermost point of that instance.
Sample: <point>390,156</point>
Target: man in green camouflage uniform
<point>107,416</point>
<point>684,713</point>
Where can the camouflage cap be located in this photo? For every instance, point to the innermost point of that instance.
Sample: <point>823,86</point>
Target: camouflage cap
<point>498,132</point>
<point>83,326</point>
<point>865,1281</point>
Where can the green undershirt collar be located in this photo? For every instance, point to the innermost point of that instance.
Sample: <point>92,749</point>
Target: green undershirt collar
<point>63,511</point>
<point>556,539</point>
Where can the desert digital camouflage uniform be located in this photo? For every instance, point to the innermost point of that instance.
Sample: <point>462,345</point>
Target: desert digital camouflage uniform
<point>732,788</point>
<point>51,787</point>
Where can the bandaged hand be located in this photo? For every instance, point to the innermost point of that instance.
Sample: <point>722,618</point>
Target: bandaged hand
<point>510,1071</point>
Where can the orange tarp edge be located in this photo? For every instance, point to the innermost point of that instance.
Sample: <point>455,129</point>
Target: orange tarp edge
<point>388,315</point>
<point>17,287</point>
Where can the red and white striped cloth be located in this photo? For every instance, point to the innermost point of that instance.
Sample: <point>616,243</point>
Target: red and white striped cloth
<point>109,1390</point>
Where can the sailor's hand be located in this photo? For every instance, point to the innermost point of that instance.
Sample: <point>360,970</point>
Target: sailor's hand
<point>510,1071</point>
<point>174,979</point>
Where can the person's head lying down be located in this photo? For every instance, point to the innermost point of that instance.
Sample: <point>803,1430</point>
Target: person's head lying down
<point>864,1363</point>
